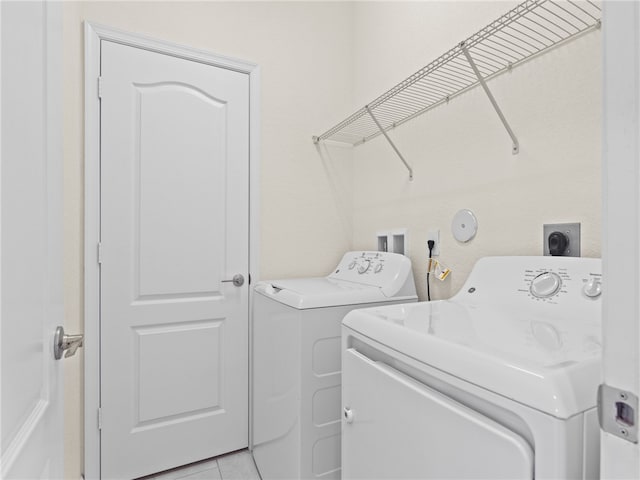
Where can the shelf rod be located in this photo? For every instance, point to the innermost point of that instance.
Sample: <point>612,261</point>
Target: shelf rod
<point>375,120</point>
<point>516,145</point>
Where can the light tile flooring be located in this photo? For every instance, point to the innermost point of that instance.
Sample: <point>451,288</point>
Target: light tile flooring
<point>233,466</point>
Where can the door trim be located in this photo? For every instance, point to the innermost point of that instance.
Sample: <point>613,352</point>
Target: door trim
<point>94,34</point>
<point>620,225</point>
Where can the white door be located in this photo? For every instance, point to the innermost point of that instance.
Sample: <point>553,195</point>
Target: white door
<point>174,231</point>
<point>31,201</point>
<point>621,224</point>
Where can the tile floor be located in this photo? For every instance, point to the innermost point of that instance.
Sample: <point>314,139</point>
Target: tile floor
<point>232,466</point>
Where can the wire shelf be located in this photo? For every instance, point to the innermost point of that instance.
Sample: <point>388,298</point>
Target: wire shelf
<point>527,30</point>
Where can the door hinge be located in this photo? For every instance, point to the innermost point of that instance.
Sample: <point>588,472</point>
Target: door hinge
<point>99,87</point>
<point>99,418</point>
<point>618,412</point>
<point>99,253</point>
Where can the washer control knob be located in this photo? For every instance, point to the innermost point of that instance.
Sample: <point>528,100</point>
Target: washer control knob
<point>352,265</point>
<point>378,268</point>
<point>545,285</point>
<point>592,288</point>
<point>364,266</point>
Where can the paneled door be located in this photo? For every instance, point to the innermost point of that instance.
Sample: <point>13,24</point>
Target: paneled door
<point>174,233</point>
<point>31,285</point>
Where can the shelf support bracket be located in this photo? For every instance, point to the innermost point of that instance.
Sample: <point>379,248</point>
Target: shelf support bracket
<point>516,145</point>
<point>375,120</point>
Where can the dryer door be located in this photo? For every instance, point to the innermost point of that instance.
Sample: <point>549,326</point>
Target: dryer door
<point>395,427</point>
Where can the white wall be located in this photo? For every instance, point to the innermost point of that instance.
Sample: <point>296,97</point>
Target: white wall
<point>461,153</point>
<point>304,51</point>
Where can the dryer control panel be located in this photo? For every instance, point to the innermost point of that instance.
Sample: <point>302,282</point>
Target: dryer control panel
<point>389,271</point>
<point>566,282</point>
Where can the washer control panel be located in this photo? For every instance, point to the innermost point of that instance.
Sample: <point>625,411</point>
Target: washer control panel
<point>380,269</point>
<point>367,262</point>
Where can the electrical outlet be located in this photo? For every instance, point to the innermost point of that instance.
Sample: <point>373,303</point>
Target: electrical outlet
<point>435,236</point>
<point>571,232</point>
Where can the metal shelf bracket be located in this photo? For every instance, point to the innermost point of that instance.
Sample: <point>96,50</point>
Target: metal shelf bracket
<point>516,145</point>
<point>373,117</point>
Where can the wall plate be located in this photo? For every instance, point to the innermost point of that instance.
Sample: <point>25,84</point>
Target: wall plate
<point>571,230</point>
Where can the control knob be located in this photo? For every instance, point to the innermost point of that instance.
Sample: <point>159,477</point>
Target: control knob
<point>364,266</point>
<point>545,285</point>
<point>592,288</point>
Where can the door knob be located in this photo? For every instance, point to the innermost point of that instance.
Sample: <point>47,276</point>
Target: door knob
<point>63,342</point>
<point>237,280</point>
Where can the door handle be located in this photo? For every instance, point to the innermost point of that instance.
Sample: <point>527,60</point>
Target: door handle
<point>63,342</point>
<point>237,280</point>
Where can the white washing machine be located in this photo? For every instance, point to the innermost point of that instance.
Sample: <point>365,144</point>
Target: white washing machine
<point>296,360</point>
<point>499,382</point>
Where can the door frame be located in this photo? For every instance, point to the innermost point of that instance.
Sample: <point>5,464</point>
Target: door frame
<point>620,222</point>
<point>94,34</point>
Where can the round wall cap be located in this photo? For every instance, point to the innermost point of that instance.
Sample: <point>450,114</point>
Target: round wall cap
<point>464,225</point>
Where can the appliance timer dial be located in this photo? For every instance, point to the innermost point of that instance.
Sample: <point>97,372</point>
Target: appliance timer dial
<point>545,285</point>
<point>364,266</point>
<point>592,288</point>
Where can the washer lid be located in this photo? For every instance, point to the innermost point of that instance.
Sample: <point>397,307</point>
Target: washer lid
<point>548,363</point>
<point>303,293</point>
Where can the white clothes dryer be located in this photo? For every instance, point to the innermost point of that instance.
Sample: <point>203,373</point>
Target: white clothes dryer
<point>296,408</point>
<point>499,382</point>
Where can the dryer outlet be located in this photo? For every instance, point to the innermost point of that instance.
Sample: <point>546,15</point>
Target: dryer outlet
<point>553,234</point>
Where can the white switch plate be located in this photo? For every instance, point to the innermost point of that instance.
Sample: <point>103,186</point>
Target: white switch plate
<point>435,236</point>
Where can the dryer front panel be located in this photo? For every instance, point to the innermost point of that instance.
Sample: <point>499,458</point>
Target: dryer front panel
<point>395,427</point>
